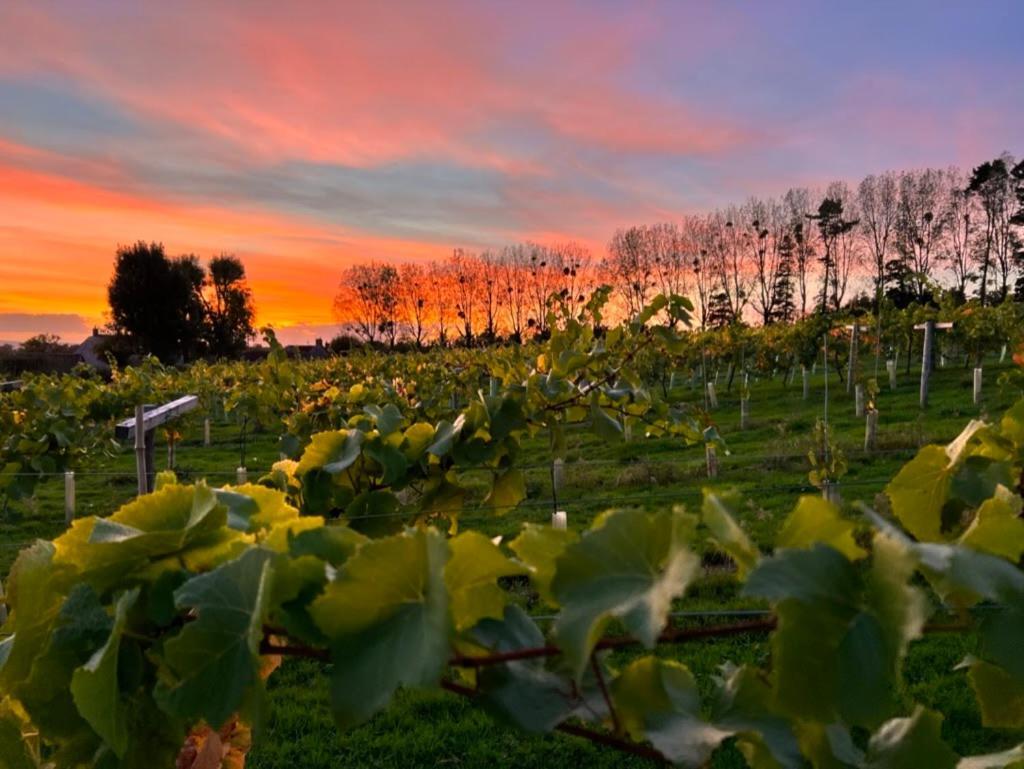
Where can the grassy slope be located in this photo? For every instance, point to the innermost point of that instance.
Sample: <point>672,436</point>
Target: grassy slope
<point>767,462</point>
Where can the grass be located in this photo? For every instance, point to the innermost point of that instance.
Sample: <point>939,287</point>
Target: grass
<point>767,462</point>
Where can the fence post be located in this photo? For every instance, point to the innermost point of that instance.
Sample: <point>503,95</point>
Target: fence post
<point>558,474</point>
<point>871,430</point>
<point>140,449</point>
<point>711,456</point>
<point>926,360</point>
<point>69,497</point>
<point>851,372</point>
<point>977,386</point>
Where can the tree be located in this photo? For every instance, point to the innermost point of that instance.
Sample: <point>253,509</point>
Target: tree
<point>45,343</point>
<point>466,284</point>
<point>514,284</point>
<point>156,302</point>
<point>833,228</point>
<point>920,224</point>
<point>798,210</point>
<point>991,185</point>
<point>878,200</point>
<point>629,266</point>
<point>960,229</point>
<point>368,297</point>
<point>414,291</point>
<point>229,307</point>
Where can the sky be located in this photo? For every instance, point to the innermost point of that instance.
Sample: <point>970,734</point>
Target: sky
<point>307,136</point>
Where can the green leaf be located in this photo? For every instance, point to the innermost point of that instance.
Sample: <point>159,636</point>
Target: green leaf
<point>392,461</point>
<point>14,749</point>
<point>386,618</point>
<point>605,427</point>
<point>539,547</point>
<point>744,704</point>
<point>214,661</point>
<point>95,688</point>
<point>1014,757</point>
<point>333,452</point>
<point>658,699</point>
<point>631,567</point>
<point>102,551</point>
<point>80,628</point>
<point>472,578</point>
<point>820,574</point>
<point>997,527</point>
<point>815,520</point>
<point>507,491</point>
<point>1000,696</point>
<point>523,692</point>
<point>920,490</point>
<point>911,743</point>
<point>252,507</point>
<point>719,514</point>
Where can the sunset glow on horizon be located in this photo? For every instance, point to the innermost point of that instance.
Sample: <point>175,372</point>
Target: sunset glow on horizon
<point>304,139</point>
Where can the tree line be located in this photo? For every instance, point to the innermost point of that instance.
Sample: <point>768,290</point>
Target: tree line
<point>902,237</point>
<point>175,307</point>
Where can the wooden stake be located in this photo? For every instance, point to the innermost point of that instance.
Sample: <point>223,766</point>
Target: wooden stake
<point>871,430</point>
<point>69,497</point>
<point>140,450</point>
<point>711,456</point>
<point>558,474</point>
<point>926,360</point>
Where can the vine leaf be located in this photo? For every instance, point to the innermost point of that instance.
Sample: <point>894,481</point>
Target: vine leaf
<point>1000,696</point>
<point>997,527</point>
<point>909,743</point>
<point>920,490</point>
<point>507,491</point>
<point>387,621</point>
<point>658,700</point>
<point>252,507</point>
<point>719,514</point>
<point>95,689</point>
<point>539,548</point>
<point>815,520</point>
<point>523,692</point>
<point>212,663</point>
<point>472,578</point>
<point>630,567</point>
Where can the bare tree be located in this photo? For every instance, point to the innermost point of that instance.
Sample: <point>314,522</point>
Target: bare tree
<point>440,274</point>
<point>797,202</point>
<point>465,279</point>
<point>414,292</point>
<point>920,224</point>
<point>878,200</point>
<point>515,284</point>
<point>489,282</point>
<point>630,268</point>
<point>770,254</point>
<point>961,222</point>
<point>572,269</point>
<point>542,283</point>
<point>368,295</point>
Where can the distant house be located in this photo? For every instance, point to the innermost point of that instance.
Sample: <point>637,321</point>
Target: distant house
<point>92,351</point>
<point>316,351</point>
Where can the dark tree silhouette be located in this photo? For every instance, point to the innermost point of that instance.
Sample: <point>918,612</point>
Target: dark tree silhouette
<point>156,301</point>
<point>228,307</point>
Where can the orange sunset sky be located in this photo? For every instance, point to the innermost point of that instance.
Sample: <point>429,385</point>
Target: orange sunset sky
<point>305,136</point>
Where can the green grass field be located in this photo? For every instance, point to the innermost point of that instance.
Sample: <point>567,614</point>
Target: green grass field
<point>767,462</point>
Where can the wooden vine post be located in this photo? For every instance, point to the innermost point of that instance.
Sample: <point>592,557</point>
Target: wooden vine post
<point>851,367</point>
<point>927,353</point>
<point>149,418</point>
